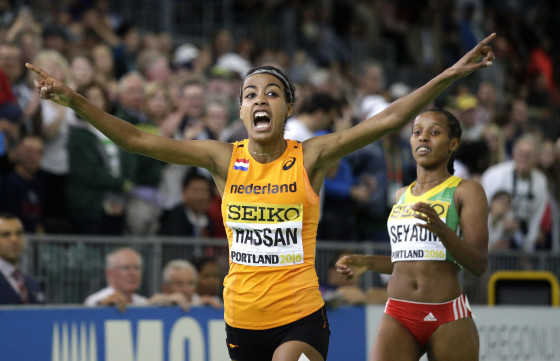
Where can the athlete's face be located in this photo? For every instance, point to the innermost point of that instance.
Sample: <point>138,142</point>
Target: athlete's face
<point>430,142</point>
<point>263,107</point>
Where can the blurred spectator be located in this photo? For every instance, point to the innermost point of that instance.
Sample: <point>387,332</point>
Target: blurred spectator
<point>11,63</point>
<point>317,113</point>
<point>425,40</point>
<point>56,122</point>
<point>191,104</point>
<point>467,103</point>
<point>154,66</point>
<point>104,69</point>
<point>56,38</point>
<point>15,287</point>
<point>10,116</point>
<point>496,143</point>
<point>487,98</point>
<point>371,97</point>
<point>209,282</point>
<point>516,123</point>
<point>221,43</point>
<point>542,62</point>
<point>131,97</point>
<point>382,167</point>
<point>179,279</point>
<point>184,60</point>
<point>22,192</point>
<point>99,177</point>
<point>548,164</point>
<point>83,72</point>
<point>123,272</point>
<point>527,186</point>
<point>502,225</point>
<point>143,206</point>
<point>469,27</point>
<point>190,218</point>
<point>216,117</point>
<point>125,48</point>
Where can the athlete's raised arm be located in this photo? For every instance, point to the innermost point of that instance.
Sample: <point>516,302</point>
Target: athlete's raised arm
<point>211,155</point>
<point>327,149</point>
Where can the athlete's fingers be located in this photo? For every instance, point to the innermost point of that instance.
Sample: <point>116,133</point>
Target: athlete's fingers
<point>37,70</point>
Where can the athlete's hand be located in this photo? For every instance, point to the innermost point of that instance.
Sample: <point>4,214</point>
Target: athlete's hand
<point>51,88</point>
<point>429,215</point>
<point>351,266</point>
<point>481,56</point>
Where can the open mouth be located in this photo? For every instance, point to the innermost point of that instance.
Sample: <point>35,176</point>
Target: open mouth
<point>261,120</point>
<point>423,150</point>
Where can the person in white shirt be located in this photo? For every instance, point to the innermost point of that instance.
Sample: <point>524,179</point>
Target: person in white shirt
<point>123,271</point>
<point>527,186</point>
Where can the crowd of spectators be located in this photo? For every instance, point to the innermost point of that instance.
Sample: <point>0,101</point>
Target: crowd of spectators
<point>60,175</point>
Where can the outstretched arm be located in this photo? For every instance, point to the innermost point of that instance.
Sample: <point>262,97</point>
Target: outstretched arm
<point>211,155</point>
<point>331,147</point>
<point>357,264</point>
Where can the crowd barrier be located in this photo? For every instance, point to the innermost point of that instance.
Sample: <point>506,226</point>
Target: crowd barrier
<point>69,268</point>
<point>75,333</point>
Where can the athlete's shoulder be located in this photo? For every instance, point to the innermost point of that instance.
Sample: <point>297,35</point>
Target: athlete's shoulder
<point>470,190</point>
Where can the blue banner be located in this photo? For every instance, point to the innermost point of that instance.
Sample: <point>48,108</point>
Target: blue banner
<point>144,334</point>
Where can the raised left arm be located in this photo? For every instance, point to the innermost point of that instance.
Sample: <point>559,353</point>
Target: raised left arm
<point>327,149</point>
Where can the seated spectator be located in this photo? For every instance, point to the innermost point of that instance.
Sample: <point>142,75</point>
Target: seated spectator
<point>501,223</point>
<point>15,287</point>
<point>179,284</point>
<point>22,192</point>
<point>123,272</point>
<point>190,218</point>
<point>209,281</point>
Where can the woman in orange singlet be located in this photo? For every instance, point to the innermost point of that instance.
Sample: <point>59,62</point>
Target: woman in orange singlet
<point>269,186</point>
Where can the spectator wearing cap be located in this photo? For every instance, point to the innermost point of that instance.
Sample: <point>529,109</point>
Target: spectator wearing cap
<point>467,104</point>
<point>185,60</point>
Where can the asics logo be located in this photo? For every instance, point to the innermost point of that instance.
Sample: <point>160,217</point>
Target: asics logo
<point>289,163</point>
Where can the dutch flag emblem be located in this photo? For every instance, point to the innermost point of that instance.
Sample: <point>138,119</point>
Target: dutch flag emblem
<point>241,164</point>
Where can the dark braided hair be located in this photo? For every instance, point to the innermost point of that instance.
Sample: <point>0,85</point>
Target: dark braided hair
<point>455,131</point>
